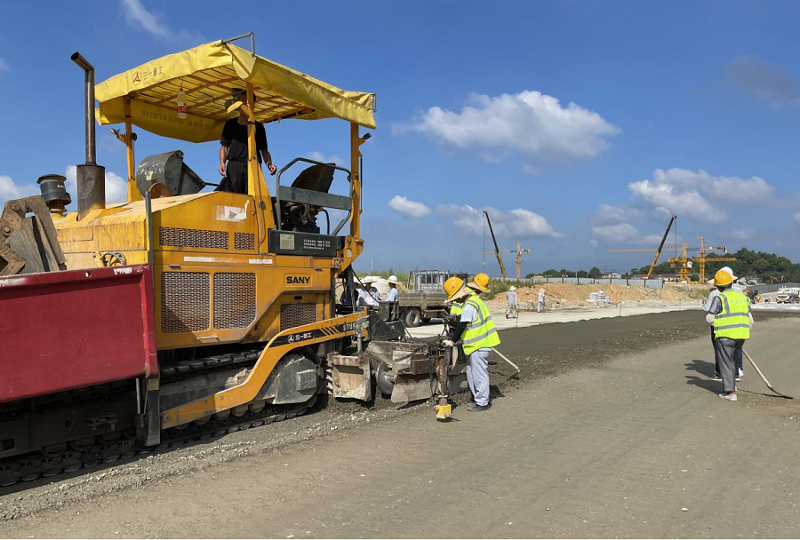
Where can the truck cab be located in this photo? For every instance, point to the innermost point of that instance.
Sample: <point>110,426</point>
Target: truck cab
<point>425,298</point>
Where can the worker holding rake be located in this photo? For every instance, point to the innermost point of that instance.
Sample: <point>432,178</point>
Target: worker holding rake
<point>730,315</point>
<point>476,332</point>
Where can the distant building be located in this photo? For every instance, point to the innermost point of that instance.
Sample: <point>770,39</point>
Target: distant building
<point>665,277</point>
<point>612,275</point>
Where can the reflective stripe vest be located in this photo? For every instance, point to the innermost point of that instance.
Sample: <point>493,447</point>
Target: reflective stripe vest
<point>456,308</point>
<point>733,321</point>
<point>480,333</point>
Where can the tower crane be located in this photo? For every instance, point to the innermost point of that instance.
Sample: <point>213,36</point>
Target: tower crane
<point>685,262</point>
<point>519,252</point>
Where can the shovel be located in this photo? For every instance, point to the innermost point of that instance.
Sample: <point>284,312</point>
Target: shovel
<point>764,378</point>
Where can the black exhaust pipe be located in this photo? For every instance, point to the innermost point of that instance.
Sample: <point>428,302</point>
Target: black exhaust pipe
<point>91,177</point>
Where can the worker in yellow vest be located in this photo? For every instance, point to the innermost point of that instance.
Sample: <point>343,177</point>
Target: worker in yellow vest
<point>479,284</point>
<point>477,335</point>
<point>730,316</point>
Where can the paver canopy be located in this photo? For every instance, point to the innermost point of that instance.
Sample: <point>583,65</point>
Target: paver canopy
<point>207,75</point>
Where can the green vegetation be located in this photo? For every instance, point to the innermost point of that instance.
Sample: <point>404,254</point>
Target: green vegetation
<point>698,293</point>
<point>767,266</point>
<point>594,272</point>
<point>497,286</point>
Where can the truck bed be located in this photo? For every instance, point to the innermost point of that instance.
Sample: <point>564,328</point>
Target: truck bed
<point>75,328</point>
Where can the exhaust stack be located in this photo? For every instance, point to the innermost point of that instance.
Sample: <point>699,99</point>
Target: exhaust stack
<point>91,177</point>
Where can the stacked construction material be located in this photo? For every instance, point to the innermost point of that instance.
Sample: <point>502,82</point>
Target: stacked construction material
<point>599,298</point>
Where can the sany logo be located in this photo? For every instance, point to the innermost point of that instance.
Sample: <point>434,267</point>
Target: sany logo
<point>298,280</point>
<point>139,76</point>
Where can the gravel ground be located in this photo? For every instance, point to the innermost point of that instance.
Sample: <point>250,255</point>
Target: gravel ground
<point>542,352</point>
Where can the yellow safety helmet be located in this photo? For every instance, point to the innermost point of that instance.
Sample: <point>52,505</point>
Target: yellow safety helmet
<point>722,278</point>
<point>452,287</point>
<point>480,282</point>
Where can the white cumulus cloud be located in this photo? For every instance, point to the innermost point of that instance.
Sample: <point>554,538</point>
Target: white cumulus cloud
<point>742,234</point>
<point>607,214</point>
<point>409,208</point>
<point>11,190</point>
<point>517,223</point>
<point>698,195</point>
<point>619,233</point>
<point>532,123</point>
<point>723,188</point>
<point>8,189</point>
<point>116,186</point>
<point>687,203</point>
<point>139,17</point>
<point>322,158</point>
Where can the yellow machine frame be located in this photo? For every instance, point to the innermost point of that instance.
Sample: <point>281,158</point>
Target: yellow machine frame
<point>274,281</point>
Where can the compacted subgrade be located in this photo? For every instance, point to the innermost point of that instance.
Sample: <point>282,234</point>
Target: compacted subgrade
<point>540,351</point>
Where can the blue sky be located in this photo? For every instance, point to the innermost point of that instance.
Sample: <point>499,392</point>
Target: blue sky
<point>580,125</point>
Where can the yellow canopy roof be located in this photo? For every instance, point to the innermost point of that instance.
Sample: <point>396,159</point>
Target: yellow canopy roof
<point>208,74</point>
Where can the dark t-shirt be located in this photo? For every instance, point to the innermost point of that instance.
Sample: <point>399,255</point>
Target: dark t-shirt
<point>234,136</point>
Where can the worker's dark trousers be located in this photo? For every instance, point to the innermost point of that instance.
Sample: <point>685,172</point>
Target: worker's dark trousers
<point>725,351</point>
<point>236,174</point>
<point>716,354</point>
<point>739,355</point>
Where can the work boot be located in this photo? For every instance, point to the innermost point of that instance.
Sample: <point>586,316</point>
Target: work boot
<point>474,407</point>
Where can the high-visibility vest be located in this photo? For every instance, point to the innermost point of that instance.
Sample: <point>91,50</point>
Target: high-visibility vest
<point>456,308</point>
<point>733,320</point>
<point>480,333</point>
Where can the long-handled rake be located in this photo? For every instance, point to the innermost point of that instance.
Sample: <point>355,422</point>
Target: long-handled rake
<point>501,355</point>
<point>764,378</point>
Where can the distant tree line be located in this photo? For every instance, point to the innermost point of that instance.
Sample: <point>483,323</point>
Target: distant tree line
<point>767,266</point>
<point>552,272</point>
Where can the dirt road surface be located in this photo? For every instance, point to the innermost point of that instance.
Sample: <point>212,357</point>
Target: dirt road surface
<point>614,430</point>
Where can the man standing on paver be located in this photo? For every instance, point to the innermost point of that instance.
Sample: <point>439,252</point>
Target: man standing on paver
<point>393,297</point>
<point>739,356</point>
<point>540,301</point>
<point>475,330</point>
<point>730,315</point>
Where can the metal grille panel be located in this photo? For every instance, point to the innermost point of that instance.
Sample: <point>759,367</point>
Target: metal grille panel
<point>185,302</point>
<point>198,238</point>
<point>293,315</point>
<point>244,241</point>
<point>234,300</point>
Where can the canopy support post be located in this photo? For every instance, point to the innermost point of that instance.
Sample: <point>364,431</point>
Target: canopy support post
<point>133,189</point>
<point>252,157</point>
<point>355,181</point>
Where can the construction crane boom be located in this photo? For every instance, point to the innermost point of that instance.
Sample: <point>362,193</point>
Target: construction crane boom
<point>661,245</point>
<point>519,251</point>
<point>496,249</point>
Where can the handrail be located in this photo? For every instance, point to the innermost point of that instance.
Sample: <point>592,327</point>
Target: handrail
<point>313,162</point>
